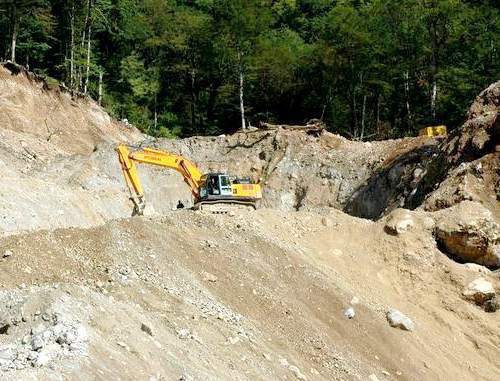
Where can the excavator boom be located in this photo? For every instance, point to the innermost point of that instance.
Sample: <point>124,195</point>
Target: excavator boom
<point>208,189</point>
<point>186,168</point>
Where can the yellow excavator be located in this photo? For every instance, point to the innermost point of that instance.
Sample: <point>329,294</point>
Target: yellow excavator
<point>207,189</point>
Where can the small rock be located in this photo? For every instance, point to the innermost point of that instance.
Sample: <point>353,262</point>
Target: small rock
<point>146,329</point>
<point>37,343</point>
<point>4,329</point>
<point>233,340</point>
<point>337,252</point>
<point>32,356</point>
<point>7,354</point>
<point>372,377</point>
<point>122,344</point>
<point>418,173</point>
<point>479,291</point>
<point>42,359</point>
<point>327,222</point>
<point>124,270</point>
<point>184,334</point>
<point>349,313</point>
<point>209,277</point>
<point>399,222</point>
<point>284,362</point>
<point>398,320</point>
<point>186,377</point>
<point>7,253</point>
<point>355,300</point>
<point>492,305</point>
<point>298,374</point>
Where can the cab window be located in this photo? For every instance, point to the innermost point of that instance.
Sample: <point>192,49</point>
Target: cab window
<point>224,181</point>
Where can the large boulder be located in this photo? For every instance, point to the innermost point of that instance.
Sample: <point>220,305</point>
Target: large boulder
<point>469,232</point>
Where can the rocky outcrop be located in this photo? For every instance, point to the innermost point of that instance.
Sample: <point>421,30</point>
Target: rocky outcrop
<point>468,166</point>
<point>469,232</point>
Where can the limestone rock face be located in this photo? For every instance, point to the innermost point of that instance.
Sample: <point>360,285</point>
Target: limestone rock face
<point>470,232</point>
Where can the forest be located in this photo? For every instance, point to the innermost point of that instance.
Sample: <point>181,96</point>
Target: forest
<point>370,69</point>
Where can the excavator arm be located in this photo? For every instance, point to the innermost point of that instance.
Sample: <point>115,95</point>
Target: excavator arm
<point>186,168</point>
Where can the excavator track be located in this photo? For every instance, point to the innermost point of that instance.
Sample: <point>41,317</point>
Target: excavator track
<point>224,206</point>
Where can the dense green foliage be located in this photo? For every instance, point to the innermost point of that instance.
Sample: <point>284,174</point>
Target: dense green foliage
<point>368,68</point>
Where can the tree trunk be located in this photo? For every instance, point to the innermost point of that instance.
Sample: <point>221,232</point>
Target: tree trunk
<point>87,70</point>
<point>89,39</point>
<point>363,113</point>
<point>193,100</point>
<point>242,105</point>
<point>242,84</point>
<point>100,89</point>
<point>156,113</point>
<point>212,97</point>
<point>434,66</point>
<point>406,77</point>
<point>378,114</point>
<point>15,27</point>
<point>327,103</point>
<point>72,48</point>
<point>434,97</point>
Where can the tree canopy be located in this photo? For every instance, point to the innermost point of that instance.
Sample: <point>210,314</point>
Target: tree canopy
<point>368,68</point>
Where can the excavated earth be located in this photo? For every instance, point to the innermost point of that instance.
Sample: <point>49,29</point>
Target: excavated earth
<point>87,292</point>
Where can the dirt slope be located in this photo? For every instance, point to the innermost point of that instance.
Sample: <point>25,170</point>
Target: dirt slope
<point>246,297</point>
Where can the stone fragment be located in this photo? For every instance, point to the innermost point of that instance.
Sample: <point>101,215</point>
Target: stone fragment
<point>297,373</point>
<point>479,291</point>
<point>399,222</point>
<point>349,313</point>
<point>399,320</point>
<point>184,333</point>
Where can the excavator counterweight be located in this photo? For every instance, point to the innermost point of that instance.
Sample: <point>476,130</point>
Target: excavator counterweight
<point>207,189</point>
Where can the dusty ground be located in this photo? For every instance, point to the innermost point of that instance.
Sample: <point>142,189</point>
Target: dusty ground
<point>89,293</point>
<point>253,290</point>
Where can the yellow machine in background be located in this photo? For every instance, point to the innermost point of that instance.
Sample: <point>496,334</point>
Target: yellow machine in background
<point>207,189</point>
<point>436,131</point>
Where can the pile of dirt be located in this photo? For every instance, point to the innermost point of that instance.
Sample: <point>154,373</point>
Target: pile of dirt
<point>259,295</point>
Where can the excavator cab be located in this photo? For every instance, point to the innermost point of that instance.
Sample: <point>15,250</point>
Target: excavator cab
<point>215,185</point>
